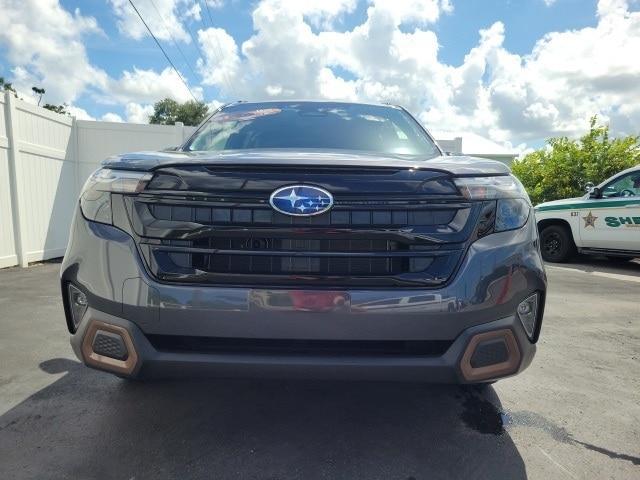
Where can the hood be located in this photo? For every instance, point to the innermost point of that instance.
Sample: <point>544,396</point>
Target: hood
<point>457,165</point>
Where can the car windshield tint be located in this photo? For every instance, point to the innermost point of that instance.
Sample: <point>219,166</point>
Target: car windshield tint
<point>313,125</point>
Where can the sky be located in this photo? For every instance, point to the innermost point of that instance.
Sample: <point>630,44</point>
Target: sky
<point>514,71</point>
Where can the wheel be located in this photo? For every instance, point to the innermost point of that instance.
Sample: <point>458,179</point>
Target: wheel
<point>557,244</point>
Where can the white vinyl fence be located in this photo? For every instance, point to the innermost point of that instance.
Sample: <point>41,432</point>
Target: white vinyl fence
<point>45,159</point>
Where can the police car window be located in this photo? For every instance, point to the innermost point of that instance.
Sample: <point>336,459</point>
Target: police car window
<point>626,186</point>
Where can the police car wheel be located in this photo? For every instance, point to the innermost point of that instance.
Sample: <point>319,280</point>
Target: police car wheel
<point>556,244</point>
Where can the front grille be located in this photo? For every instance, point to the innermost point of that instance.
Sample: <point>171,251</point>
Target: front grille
<point>260,346</point>
<point>228,236</point>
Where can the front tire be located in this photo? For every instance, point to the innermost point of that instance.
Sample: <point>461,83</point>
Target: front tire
<point>556,244</point>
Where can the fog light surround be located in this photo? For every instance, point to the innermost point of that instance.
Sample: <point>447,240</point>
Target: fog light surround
<point>78,304</point>
<point>475,370</point>
<point>527,312</point>
<point>125,364</point>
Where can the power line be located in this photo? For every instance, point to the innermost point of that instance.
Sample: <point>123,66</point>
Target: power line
<point>163,51</point>
<point>218,49</point>
<point>166,27</point>
<point>208,12</point>
<point>193,38</point>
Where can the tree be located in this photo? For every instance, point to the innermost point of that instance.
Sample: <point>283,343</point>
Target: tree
<point>61,109</point>
<point>4,85</point>
<point>168,112</point>
<point>38,91</point>
<point>565,166</point>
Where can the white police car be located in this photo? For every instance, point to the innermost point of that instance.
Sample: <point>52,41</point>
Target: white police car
<point>605,221</point>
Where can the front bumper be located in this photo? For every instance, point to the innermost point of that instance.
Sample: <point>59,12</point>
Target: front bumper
<point>498,272</point>
<point>150,362</point>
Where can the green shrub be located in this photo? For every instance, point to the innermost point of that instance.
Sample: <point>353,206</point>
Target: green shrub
<point>564,167</point>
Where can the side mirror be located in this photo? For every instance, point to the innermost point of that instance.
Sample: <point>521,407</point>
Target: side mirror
<point>588,187</point>
<point>595,193</point>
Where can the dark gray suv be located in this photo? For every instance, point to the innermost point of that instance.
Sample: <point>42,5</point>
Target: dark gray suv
<point>309,239</point>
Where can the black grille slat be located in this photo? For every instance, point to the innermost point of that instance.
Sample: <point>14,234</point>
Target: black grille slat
<point>429,216</point>
<point>279,262</point>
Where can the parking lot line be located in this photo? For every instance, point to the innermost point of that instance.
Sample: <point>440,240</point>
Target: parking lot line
<point>614,276</point>
<point>556,463</point>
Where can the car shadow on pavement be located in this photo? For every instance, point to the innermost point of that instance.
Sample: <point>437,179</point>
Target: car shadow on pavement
<point>88,424</point>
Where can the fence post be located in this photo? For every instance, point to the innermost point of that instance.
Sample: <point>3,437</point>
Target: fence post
<point>75,155</point>
<point>14,174</point>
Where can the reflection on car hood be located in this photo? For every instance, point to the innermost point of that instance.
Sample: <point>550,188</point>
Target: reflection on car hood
<point>458,165</point>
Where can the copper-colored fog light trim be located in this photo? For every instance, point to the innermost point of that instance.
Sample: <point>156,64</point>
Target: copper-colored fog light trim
<point>112,364</point>
<point>491,371</point>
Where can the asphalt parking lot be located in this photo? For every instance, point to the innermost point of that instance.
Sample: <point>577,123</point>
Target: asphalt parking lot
<point>575,413</point>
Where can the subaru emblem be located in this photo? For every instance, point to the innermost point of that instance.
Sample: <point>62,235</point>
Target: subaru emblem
<point>301,200</point>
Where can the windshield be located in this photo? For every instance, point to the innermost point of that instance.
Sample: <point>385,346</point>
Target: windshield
<point>313,125</point>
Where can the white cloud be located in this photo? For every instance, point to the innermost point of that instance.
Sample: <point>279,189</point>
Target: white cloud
<point>570,76</point>
<point>214,105</point>
<point>221,60</point>
<point>111,117</point>
<point>79,113</point>
<point>567,77</point>
<point>164,17</point>
<point>215,3</point>
<point>147,86</point>
<point>43,42</point>
<point>421,11</point>
<point>548,3</point>
<point>317,12</point>
<point>22,80</point>
<point>392,55</point>
<point>137,113</point>
<point>194,12</point>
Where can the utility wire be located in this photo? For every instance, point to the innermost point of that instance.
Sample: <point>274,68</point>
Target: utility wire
<point>195,41</point>
<point>218,49</point>
<point>163,51</point>
<point>208,12</point>
<point>166,27</point>
<point>202,54</point>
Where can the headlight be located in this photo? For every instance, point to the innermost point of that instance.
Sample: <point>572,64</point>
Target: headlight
<point>512,202</point>
<point>95,198</point>
<point>488,188</point>
<point>511,213</point>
